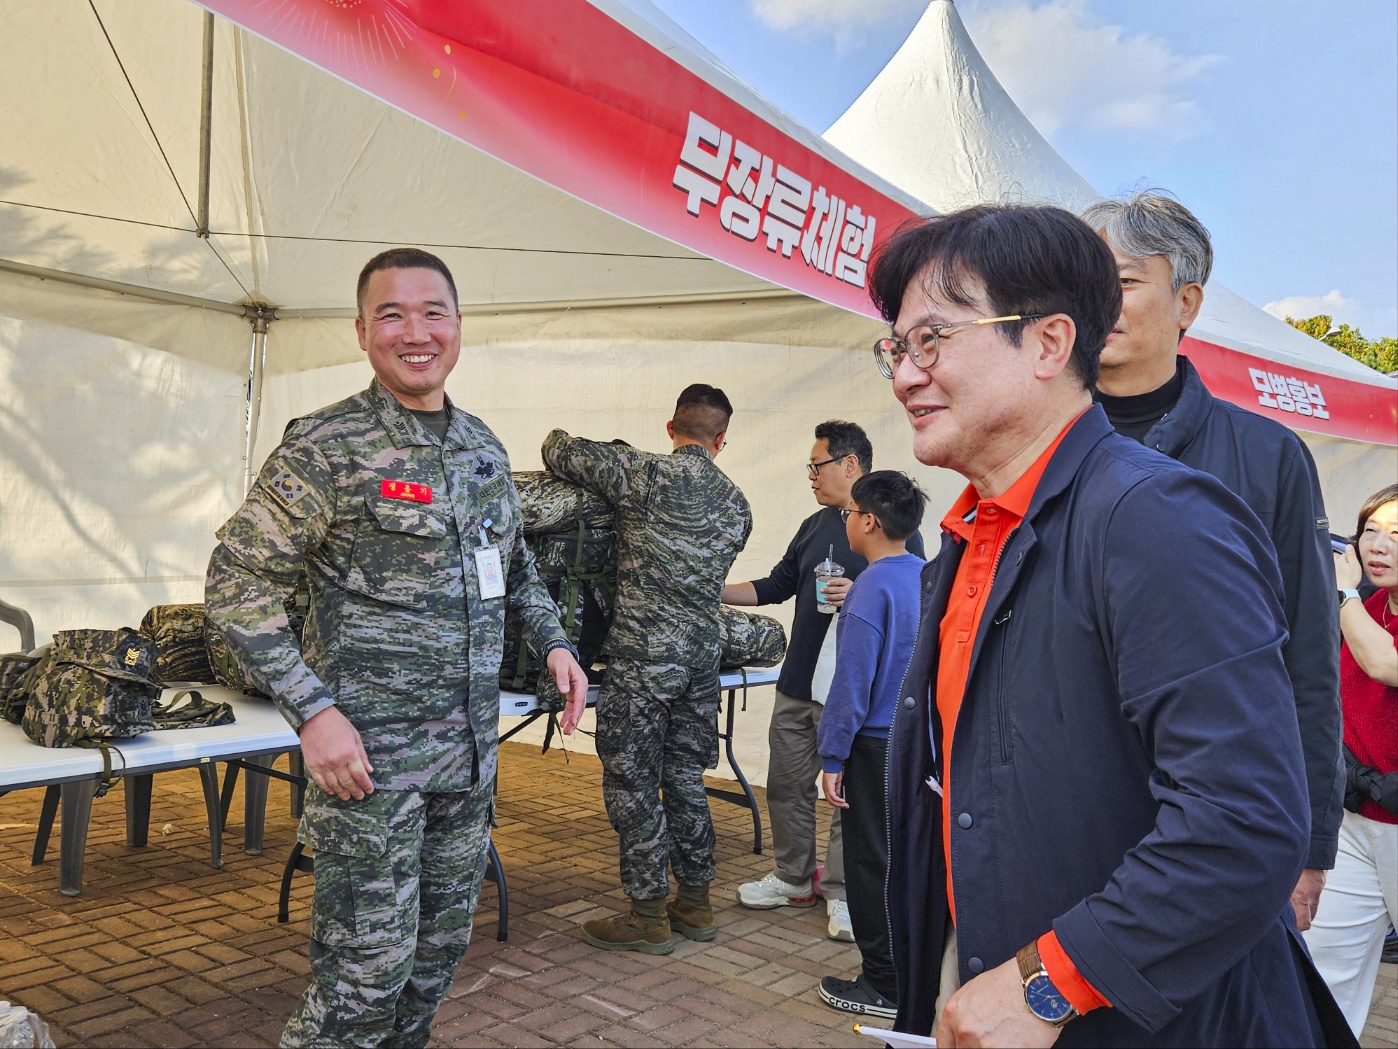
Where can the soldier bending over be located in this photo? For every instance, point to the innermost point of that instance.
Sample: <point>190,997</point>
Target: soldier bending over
<point>680,523</point>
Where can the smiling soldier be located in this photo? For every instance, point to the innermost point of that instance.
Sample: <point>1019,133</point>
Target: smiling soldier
<point>398,510</point>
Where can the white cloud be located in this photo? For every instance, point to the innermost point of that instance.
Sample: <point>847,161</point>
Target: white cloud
<point>1339,308</point>
<point>1066,69</point>
<point>842,19</point>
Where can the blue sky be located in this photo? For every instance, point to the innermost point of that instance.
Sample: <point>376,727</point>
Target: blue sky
<point>1275,121</point>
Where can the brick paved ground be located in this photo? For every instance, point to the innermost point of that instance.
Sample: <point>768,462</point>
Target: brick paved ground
<point>162,950</point>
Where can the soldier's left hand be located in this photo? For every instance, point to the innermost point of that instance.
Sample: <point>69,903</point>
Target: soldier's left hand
<point>572,682</point>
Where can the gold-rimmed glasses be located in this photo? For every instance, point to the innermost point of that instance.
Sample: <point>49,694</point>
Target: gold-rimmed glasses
<point>923,343</point>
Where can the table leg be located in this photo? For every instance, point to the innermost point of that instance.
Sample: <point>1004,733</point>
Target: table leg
<point>138,792</point>
<point>230,781</point>
<point>77,810</point>
<point>208,773</point>
<point>46,817</point>
<point>746,797</point>
<point>296,765</point>
<point>255,804</point>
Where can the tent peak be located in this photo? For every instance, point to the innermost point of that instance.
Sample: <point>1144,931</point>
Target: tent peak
<point>938,124</point>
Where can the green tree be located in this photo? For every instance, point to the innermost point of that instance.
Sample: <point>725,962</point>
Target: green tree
<point>1379,354</point>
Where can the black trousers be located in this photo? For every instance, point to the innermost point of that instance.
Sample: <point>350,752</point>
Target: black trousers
<point>865,827</point>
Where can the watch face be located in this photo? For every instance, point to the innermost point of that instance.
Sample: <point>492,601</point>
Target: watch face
<point>1044,1001</point>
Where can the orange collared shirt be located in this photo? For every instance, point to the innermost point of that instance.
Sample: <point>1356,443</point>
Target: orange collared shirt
<point>985,533</point>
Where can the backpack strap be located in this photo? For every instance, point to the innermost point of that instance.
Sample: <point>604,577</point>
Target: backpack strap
<point>108,780</point>
<point>197,713</point>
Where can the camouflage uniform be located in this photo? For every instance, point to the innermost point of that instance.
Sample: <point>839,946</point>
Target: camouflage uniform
<point>382,518</point>
<point>680,523</point>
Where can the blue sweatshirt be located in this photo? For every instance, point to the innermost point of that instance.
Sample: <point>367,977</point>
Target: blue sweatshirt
<point>876,631</point>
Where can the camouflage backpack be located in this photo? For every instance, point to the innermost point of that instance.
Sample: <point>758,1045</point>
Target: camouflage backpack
<point>178,633</point>
<point>569,531</point>
<point>92,687</point>
<point>747,639</point>
<point>14,682</point>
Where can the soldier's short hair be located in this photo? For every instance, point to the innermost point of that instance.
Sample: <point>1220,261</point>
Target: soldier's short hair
<point>702,412</point>
<point>402,259</point>
<point>894,498</point>
<point>844,439</point>
<point>1152,222</point>
<point>1030,260</point>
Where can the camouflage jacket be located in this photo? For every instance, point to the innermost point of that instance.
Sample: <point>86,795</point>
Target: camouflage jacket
<point>382,518</point>
<point>680,524</point>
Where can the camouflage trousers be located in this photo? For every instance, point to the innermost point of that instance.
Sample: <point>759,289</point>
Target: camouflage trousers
<point>657,731</point>
<point>397,877</point>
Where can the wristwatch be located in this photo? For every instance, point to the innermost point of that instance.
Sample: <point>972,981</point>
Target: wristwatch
<point>1347,593</point>
<point>1040,995</point>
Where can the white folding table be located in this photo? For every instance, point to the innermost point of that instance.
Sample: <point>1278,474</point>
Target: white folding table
<point>258,734</point>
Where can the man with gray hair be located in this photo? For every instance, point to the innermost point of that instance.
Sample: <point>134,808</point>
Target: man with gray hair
<point>1154,395</point>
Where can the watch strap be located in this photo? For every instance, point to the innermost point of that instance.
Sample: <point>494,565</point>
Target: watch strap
<point>1029,963</point>
<point>1347,593</point>
<point>1031,966</point>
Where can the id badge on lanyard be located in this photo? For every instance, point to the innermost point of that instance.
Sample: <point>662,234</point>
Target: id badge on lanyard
<point>489,572</point>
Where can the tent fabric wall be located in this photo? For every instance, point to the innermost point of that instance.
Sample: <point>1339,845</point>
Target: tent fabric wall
<point>121,424</point>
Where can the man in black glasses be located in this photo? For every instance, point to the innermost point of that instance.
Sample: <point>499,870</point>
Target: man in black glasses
<point>840,456</point>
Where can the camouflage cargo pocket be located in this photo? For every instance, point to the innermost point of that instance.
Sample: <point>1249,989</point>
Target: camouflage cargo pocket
<point>366,893</point>
<point>400,552</point>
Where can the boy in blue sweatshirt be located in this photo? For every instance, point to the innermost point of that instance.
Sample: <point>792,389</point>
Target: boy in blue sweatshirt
<point>873,643</point>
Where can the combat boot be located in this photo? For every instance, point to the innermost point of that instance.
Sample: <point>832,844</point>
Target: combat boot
<point>690,913</point>
<point>645,929</point>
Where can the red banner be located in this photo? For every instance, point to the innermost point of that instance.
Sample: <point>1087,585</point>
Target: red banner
<point>1295,397</point>
<point>560,90</point>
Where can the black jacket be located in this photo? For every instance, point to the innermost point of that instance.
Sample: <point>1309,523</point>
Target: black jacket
<point>1270,469</point>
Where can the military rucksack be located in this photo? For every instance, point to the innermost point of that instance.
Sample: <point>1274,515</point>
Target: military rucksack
<point>14,683</point>
<point>92,687</point>
<point>178,633</point>
<point>568,529</point>
<point>746,639</point>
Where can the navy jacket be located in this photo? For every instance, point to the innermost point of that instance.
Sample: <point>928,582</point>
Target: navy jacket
<point>1126,769</point>
<point>1269,468</point>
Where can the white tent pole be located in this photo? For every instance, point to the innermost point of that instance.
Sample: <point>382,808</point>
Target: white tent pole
<point>206,125</point>
<point>257,365</point>
<point>135,291</point>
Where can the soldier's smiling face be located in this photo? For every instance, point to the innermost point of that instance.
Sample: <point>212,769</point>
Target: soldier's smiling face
<point>410,327</point>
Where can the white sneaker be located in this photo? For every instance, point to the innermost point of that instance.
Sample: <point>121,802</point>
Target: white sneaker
<point>839,928</point>
<point>772,892</point>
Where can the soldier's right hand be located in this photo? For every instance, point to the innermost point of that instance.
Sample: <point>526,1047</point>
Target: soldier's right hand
<point>334,755</point>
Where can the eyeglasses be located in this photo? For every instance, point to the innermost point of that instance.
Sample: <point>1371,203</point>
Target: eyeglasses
<point>923,344</point>
<point>814,468</point>
<point>844,514</point>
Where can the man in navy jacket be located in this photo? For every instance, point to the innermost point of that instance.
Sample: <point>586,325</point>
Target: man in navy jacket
<point>1097,798</point>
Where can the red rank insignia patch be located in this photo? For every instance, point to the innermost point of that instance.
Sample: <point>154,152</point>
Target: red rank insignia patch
<point>412,493</point>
